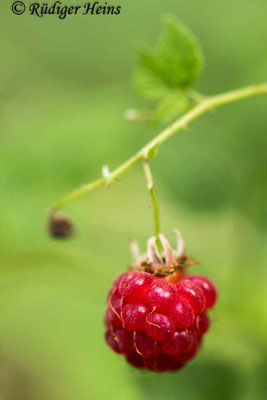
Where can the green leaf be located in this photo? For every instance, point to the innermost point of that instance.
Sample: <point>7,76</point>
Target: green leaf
<point>174,64</point>
<point>179,55</point>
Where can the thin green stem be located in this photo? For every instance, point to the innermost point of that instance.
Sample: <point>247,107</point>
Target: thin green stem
<point>205,105</point>
<point>151,189</point>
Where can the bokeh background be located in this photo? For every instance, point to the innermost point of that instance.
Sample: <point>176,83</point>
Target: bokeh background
<point>64,87</point>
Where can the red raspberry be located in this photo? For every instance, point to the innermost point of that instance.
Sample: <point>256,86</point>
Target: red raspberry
<point>157,318</point>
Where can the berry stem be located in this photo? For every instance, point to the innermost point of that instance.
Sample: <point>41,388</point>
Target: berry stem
<point>205,104</point>
<point>151,189</point>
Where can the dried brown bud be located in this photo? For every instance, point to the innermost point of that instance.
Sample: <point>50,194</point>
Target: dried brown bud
<point>60,226</point>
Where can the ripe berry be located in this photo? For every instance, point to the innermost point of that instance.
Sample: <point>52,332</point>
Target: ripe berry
<point>134,316</point>
<point>202,324</point>
<point>113,316</point>
<point>193,294</point>
<point>134,285</point>
<point>159,326</point>
<point>120,340</point>
<point>163,362</point>
<point>144,346</point>
<point>191,352</point>
<point>135,359</point>
<point>208,288</point>
<point>180,342</point>
<point>182,313</point>
<point>156,313</point>
<point>161,295</point>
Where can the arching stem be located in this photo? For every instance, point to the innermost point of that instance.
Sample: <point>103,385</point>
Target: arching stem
<point>205,104</point>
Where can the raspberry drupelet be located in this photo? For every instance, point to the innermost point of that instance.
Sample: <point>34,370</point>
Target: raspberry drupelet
<point>157,313</point>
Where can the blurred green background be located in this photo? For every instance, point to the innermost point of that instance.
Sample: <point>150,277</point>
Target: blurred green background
<point>65,86</point>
